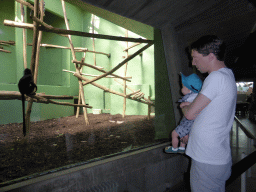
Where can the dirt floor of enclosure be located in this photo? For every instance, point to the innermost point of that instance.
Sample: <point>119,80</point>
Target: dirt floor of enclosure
<point>58,142</point>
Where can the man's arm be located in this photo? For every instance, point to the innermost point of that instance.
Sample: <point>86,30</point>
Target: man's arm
<point>191,110</point>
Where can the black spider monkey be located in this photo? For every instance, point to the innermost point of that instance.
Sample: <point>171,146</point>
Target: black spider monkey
<point>26,86</point>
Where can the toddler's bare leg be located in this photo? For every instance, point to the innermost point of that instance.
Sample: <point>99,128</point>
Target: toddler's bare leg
<point>184,141</point>
<point>175,139</point>
<point>182,144</point>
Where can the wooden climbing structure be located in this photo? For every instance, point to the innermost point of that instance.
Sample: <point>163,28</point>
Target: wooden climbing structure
<point>39,26</point>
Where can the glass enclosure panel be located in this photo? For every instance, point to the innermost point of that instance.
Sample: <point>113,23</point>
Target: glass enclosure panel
<point>122,117</point>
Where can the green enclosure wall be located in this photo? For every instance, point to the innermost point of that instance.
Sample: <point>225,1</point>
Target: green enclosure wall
<point>141,69</point>
<point>53,81</point>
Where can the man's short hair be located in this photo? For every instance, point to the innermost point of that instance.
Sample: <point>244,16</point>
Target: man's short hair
<point>210,44</point>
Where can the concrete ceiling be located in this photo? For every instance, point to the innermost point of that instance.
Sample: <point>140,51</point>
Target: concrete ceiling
<point>231,20</point>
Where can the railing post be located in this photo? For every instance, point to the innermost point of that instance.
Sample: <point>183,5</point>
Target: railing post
<point>249,143</point>
<point>231,135</point>
<point>243,177</point>
<point>237,138</point>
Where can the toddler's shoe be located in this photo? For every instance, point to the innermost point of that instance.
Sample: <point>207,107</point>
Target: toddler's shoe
<point>169,149</point>
<point>181,150</point>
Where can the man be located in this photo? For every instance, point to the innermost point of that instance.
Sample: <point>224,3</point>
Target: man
<point>213,111</point>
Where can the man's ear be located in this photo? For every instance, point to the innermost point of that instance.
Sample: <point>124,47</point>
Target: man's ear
<point>212,56</point>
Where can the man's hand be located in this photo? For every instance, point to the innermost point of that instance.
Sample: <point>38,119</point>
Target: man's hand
<point>183,104</point>
<point>192,110</point>
<point>184,139</point>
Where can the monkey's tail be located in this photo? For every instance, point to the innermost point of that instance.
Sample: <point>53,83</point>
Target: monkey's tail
<point>23,109</point>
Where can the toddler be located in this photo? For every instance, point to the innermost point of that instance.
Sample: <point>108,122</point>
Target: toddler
<point>191,86</point>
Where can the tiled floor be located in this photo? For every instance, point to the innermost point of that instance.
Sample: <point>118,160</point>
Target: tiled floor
<point>236,155</point>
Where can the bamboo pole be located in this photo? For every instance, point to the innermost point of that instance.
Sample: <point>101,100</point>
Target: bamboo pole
<point>137,95</point>
<point>149,109</point>
<point>107,89</point>
<point>148,101</point>
<point>65,97</point>
<point>79,101</point>
<point>32,67</point>
<point>126,85</point>
<point>77,49</point>
<point>109,76</point>
<point>98,85</point>
<point>69,104</point>
<point>119,65</point>
<point>39,98</point>
<point>125,71</point>
<point>44,100</point>
<point>141,96</point>
<point>24,38</point>
<point>71,32</point>
<point>42,14</point>
<point>35,38</point>
<point>60,47</point>
<point>100,36</point>
<point>27,25</point>
<point>7,42</point>
<point>39,21</point>
<point>134,91</point>
<point>74,58</point>
<point>79,95</point>
<point>97,68</point>
<point>16,95</point>
<point>93,40</point>
<point>18,24</point>
<point>88,65</point>
<point>42,23</point>
<point>130,55</point>
<point>134,45</point>
<point>5,51</point>
<point>26,4</point>
<point>83,102</point>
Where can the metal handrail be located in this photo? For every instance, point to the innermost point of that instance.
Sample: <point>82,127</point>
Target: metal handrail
<point>241,166</point>
<point>246,163</point>
<point>247,133</point>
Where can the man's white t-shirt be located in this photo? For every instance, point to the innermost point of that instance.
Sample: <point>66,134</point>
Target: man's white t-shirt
<point>209,139</point>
